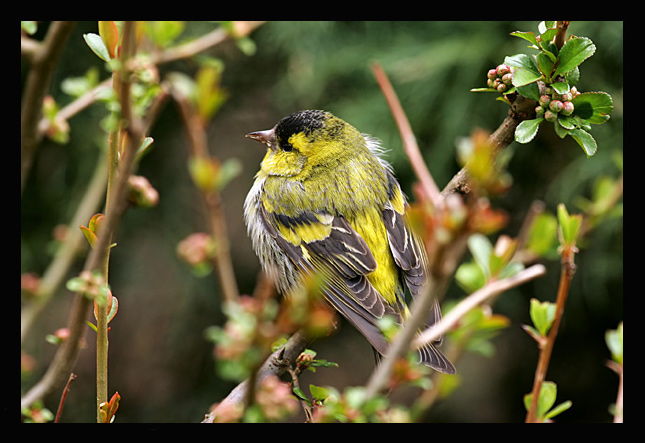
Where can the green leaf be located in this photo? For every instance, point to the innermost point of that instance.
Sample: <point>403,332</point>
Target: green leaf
<point>546,400</point>
<point>532,91</point>
<point>300,394</point>
<point>318,393</point>
<point>470,277</point>
<point>95,42</point>
<point>163,33</point>
<point>575,51</point>
<point>528,36</point>
<point>569,225</point>
<point>481,249</point>
<point>545,64</point>
<point>542,315</point>
<point>585,140</point>
<point>614,340</point>
<point>523,76</point>
<point>558,409</point>
<point>543,235</point>
<point>526,69</point>
<point>527,130</point>
<point>560,87</point>
<point>594,107</point>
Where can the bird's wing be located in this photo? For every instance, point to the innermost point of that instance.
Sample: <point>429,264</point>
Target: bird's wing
<point>326,245</point>
<point>410,256</point>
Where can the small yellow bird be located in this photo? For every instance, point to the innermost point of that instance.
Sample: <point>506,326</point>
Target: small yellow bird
<point>326,203</point>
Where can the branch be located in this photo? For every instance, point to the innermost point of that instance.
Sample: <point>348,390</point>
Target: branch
<point>240,29</point>
<point>276,364</point>
<point>66,355</point>
<point>522,109</point>
<point>546,348</point>
<point>410,145</point>
<point>475,299</point>
<point>44,58</point>
<point>212,200</point>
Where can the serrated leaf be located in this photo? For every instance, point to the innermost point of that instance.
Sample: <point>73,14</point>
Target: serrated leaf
<point>594,107</point>
<point>527,130</point>
<point>532,91</point>
<point>585,140</point>
<point>573,52</point>
<point>523,76</point>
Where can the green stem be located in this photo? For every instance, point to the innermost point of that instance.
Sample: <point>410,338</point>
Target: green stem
<point>102,342</point>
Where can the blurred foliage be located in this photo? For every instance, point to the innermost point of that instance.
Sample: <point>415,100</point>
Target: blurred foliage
<point>160,361</point>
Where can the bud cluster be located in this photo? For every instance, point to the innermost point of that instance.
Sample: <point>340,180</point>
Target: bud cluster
<point>500,78</point>
<point>551,104</point>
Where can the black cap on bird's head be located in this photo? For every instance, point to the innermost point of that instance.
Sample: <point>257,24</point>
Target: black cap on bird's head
<point>302,121</point>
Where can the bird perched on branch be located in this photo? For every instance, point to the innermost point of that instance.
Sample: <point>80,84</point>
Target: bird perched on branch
<point>326,203</point>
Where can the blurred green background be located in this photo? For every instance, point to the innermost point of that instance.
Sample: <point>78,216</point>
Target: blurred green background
<point>159,360</point>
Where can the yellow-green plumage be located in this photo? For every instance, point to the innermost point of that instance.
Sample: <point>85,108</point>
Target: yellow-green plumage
<point>325,203</point>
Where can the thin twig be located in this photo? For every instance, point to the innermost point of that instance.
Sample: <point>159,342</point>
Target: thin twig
<point>212,201</point>
<point>205,42</point>
<point>63,397</point>
<point>618,407</point>
<point>475,299</point>
<point>568,269</point>
<point>410,145</point>
<point>66,356</point>
<point>38,81</point>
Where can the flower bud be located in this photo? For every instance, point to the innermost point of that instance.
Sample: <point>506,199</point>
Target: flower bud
<point>501,88</point>
<point>544,100</point>
<point>539,111</point>
<point>567,108</point>
<point>492,74</point>
<point>566,97</point>
<point>507,79</point>
<point>555,106</point>
<point>550,116</point>
<point>503,69</point>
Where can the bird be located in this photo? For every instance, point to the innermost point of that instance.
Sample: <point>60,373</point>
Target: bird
<point>326,203</point>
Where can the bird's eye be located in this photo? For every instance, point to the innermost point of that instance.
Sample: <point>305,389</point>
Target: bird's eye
<point>286,147</point>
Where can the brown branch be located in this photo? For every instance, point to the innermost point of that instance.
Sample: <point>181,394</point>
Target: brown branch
<point>521,109</point>
<point>66,355</point>
<point>213,38</point>
<point>410,145</point>
<point>546,347</point>
<point>475,299</point>
<point>63,397</point>
<point>276,364</point>
<point>43,58</point>
<point>212,200</point>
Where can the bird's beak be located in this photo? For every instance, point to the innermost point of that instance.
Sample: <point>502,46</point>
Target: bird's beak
<point>267,137</point>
